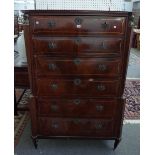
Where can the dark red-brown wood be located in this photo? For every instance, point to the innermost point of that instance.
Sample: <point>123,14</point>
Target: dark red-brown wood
<point>78,25</point>
<point>71,46</point>
<point>77,65</point>
<point>49,66</point>
<point>77,86</point>
<point>77,107</point>
<point>75,126</point>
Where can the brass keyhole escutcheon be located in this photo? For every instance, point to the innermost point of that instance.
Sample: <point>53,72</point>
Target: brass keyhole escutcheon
<point>77,82</point>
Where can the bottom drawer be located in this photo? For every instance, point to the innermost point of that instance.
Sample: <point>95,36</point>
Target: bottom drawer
<point>75,127</point>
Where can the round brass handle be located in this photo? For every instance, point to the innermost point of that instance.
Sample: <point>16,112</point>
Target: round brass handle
<point>99,107</point>
<point>101,87</point>
<point>78,21</point>
<point>77,101</point>
<point>52,66</point>
<point>51,24</point>
<point>54,108</point>
<point>51,45</point>
<point>77,82</point>
<point>54,86</point>
<point>102,67</point>
<point>77,61</point>
<point>99,126</point>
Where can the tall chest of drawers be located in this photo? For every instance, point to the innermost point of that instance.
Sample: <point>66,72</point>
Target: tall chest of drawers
<point>77,64</point>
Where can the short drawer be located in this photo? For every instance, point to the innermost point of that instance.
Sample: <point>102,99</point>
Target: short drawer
<point>78,66</point>
<point>75,127</point>
<point>99,45</point>
<point>78,25</point>
<point>77,86</point>
<point>54,45</point>
<point>78,45</point>
<point>77,107</point>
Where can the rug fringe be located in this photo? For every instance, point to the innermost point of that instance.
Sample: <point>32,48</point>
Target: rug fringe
<point>131,121</point>
<point>128,78</point>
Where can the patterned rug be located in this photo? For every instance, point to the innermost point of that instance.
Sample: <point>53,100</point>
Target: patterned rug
<point>23,117</point>
<point>132,107</point>
<point>132,96</point>
<point>20,122</point>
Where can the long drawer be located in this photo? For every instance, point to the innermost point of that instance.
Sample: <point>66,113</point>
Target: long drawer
<point>77,107</point>
<point>78,66</point>
<point>75,127</point>
<point>77,45</point>
<point>78,25</point>
<point>77,86</point>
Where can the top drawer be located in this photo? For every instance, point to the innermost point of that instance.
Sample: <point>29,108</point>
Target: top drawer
<point>78,25</point>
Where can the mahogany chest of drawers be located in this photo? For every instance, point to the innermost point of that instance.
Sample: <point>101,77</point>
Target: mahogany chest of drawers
<point>77,63</point>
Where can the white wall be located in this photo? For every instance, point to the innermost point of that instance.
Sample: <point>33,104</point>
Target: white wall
<point>128,6</point>
<point>116,5</point>
<point>23,4</point>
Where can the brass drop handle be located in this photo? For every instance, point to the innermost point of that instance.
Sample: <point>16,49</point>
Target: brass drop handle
<point>51,45</point>
<point>77,61</point>
<point>77,82</point>
<point>52,66</point>
<point>54,108</point>
<point>101,87</point>
<point>104,25</point>
<point>54,86</point>
<point>99,108</point>
<point>102,67</point>
<point>77,101</point>
<point>99,126</point>
<point>51,24</point>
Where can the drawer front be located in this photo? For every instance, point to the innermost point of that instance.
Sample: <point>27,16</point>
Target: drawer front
<point>75,127</point>
<point>55,45</point>
<point>76,107</point>
<point>78,66</point>
<point>99,45</point>
<point>77,45</point>
<point>77,86</point>
<point>78,25</point>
